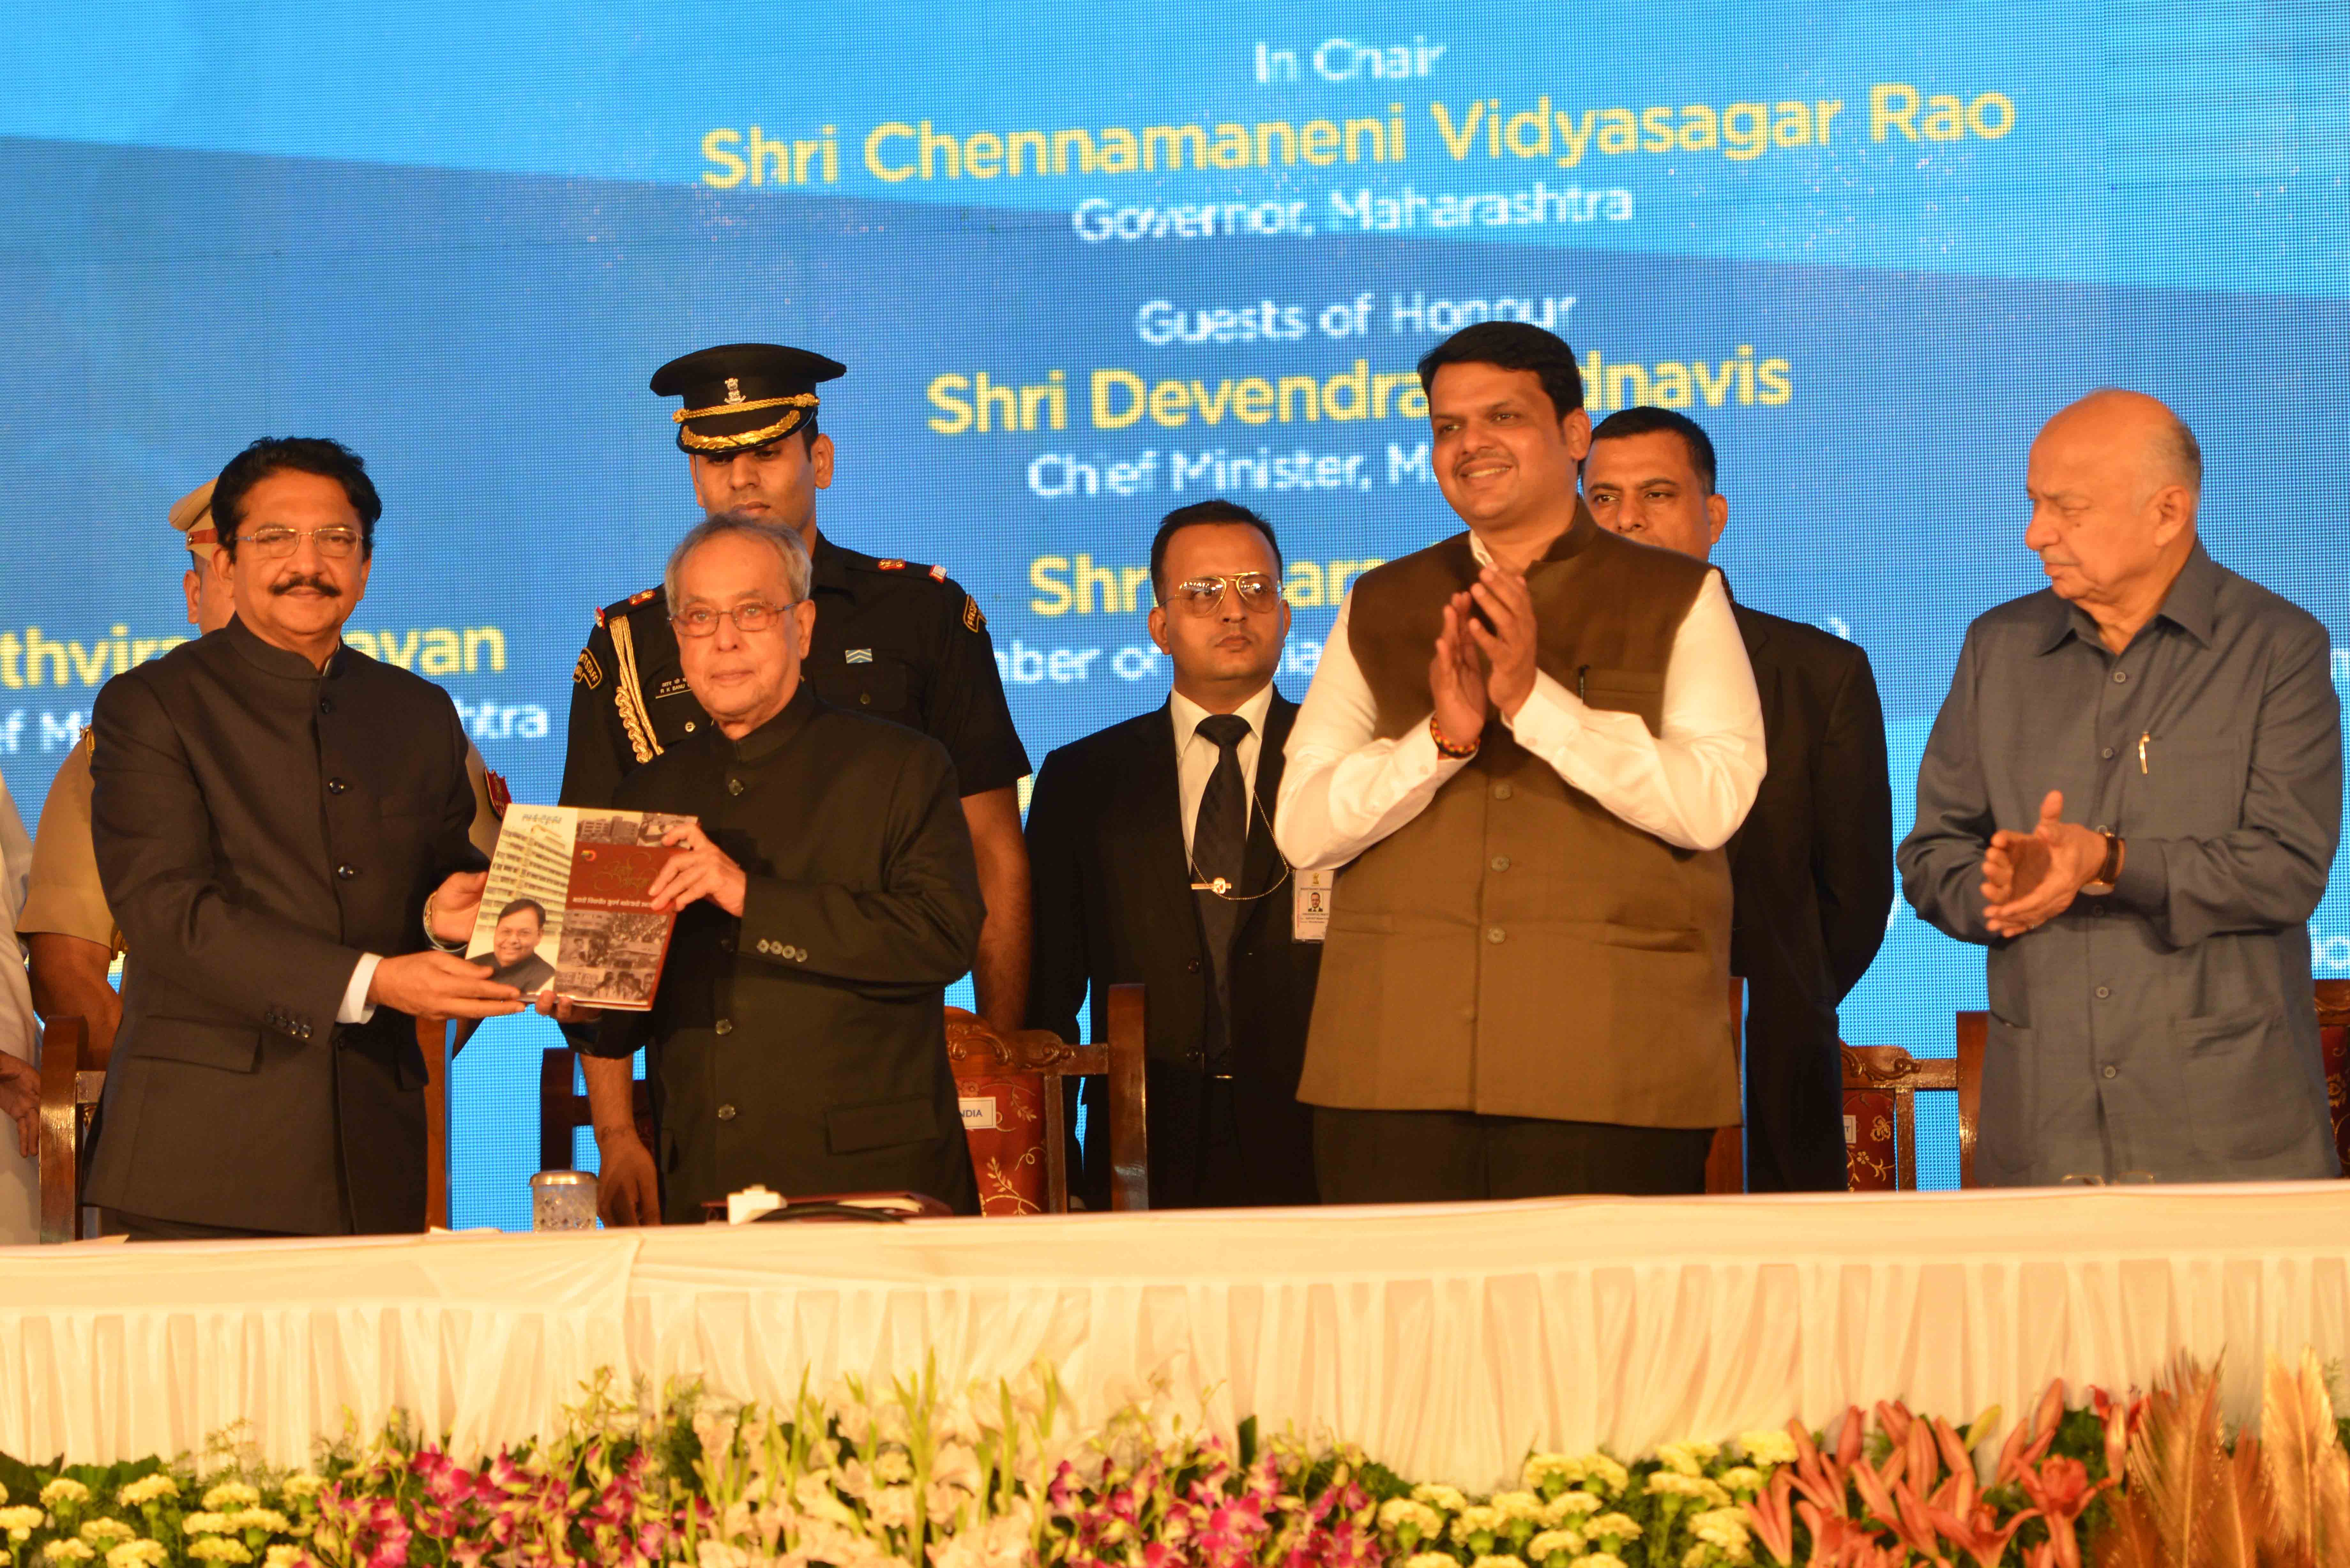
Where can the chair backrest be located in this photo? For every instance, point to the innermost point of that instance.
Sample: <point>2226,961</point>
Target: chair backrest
<point>1016,1116</point>
<point>1880,1114</point>
<point>69,1097</point>
<point>2333,1042</point>
<point>563,1109</point>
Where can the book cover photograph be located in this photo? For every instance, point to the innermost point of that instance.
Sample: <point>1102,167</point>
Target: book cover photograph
<point>566,908</point>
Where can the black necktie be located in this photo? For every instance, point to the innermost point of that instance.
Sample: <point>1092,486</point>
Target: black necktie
<point>1219,846</point>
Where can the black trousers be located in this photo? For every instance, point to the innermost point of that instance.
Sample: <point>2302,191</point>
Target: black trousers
<point>145,1228</point>
<point>1442,1156</point>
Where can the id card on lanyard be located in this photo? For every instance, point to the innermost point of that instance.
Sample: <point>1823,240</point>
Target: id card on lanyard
<point>1309,914</point>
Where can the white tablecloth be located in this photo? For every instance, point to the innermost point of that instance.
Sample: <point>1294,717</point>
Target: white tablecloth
<point>1447,1340</point>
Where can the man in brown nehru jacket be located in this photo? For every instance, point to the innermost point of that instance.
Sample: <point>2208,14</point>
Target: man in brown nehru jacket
<point>1526,746</point>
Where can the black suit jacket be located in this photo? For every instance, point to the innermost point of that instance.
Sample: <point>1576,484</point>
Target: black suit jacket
<point>1813,873</point>
<point>259,828</point>
<point>804,1045</point>
<point>1113,904</point>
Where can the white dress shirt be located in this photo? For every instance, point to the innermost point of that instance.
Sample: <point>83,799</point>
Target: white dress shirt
<point>1195,754</point>
<point>1691,785</point>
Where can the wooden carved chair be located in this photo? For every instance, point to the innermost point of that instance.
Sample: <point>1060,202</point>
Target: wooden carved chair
<point>1014,1113</point>
<point>2334,1043</point>
<point>70,1088</point>
<point>1880,1108</point>
<point>563,1109</point>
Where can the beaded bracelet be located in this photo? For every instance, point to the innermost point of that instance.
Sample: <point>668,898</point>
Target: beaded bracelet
<point>1447,749</point>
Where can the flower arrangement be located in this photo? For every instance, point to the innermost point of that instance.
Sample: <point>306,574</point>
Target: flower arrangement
<point>912,1477</point>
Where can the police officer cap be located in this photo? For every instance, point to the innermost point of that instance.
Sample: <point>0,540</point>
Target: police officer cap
<point>192,515</point>
<point>742,395</point>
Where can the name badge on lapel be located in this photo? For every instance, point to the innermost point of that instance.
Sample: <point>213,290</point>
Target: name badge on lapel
<point>1309,912</point>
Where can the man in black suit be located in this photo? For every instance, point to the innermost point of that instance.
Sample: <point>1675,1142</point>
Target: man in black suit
<point>828,895</point>
<point>281,824</point>
<point>1812,869</point>
<point>1152,846</point>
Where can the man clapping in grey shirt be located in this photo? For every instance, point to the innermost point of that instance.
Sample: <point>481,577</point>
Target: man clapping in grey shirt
<point>2131,796</point>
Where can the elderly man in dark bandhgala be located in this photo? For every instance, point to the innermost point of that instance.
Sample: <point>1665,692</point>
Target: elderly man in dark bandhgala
<point>281,824</point>
<point>827,896</point>
<point>1812,869</point>
<point>2131,798</point>
<point>1527,745</point>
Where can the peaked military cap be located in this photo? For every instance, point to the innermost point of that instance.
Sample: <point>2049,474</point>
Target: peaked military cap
<point>192,515</point>
<point>742,395</point>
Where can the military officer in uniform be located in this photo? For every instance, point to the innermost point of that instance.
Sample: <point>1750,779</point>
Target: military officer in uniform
<point>69,932</point>
<point>893,638</point>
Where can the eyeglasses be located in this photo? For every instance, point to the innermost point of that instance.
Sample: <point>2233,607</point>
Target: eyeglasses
<point>1259,592</point>
<point>335,542</point>
<point>751,615</point>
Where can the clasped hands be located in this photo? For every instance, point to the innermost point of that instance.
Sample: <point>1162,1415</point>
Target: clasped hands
<point>1480,666</point>
<point>2030,878</point>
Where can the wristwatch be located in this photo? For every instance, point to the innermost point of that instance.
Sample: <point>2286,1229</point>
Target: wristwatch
<point>2108,868</point>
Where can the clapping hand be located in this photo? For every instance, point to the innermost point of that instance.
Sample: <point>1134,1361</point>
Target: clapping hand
<point>1508,646</point>
<point>1456,676</point>
<point>2030,878</point>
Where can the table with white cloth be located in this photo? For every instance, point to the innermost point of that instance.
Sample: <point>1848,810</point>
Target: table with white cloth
<point>1445,1339</point>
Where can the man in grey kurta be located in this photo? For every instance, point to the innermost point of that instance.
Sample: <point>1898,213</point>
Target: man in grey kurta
<point>2149,971</point>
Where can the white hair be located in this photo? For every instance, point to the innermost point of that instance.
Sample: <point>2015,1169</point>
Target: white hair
<point>785,542</point>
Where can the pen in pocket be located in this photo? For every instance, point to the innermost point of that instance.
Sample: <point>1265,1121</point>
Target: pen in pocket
<point>2142,741</point>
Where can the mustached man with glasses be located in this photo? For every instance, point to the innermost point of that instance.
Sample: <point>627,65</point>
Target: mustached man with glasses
<point>1526,745</point>
<point>281,825</point>
<point>1154,859</point>
<point>827,897</point>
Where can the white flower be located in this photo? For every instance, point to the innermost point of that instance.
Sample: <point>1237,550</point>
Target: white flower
<point>1597,1560</point>
<point>1689,1459</point>
<point>714,1429</point>
<point>104,1532</point>
<point>892,1508</point>
<point>1478,1519</point>
<point>67,1551</point>
<point>219,1549</point>
<point>65,1493</point>
<point>1000,1542</point>
<point>853,1480</point>
<point>1567,1507</point>
<point>138,1554</point>
<point>230,1496</point>
<point>1616,1527</point>
<point>1725,1528</point>
<point>817,1500</point>
<point>205,1522</point>
<point>1742,1478</point>
<point>1768,1446</point>
<point>147,1489</point>
<point>1400,1514</point>
<point>957,1465</point>
<point>1431,1559</point>
<point>718,1554</point>
<point>1443,1498</point>
<point>20,1523</point>
<point>1519,1506</point>
<point>1490,1560</point>
<point>1674,1483</point>
<point>892,1466</point>
<point>263,1519</point>
<point>1553,1541</point>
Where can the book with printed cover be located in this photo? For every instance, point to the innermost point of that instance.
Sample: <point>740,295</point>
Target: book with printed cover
<point>565,910</point>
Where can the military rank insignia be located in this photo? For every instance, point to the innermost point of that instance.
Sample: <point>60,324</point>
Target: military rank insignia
<point>636,600</point>
<point>971,619</point>
<point>891,565</point>
<point>588,673</point>
<point>857,656</point>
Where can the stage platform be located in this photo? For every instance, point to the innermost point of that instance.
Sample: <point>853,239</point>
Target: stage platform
<point>1446,1340</point>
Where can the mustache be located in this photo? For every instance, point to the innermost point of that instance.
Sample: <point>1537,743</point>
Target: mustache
<point>322,585</point>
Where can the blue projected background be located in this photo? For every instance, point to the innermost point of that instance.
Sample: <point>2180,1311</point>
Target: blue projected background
<point>1087,266</point>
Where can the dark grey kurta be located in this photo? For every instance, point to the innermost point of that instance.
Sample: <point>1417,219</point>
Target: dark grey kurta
<point>2167,1027</point>
<point>804,1045</point>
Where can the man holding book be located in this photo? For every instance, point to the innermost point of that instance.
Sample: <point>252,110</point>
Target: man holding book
<point>827,897</point>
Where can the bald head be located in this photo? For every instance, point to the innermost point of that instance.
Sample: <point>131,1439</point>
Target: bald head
<point>2114,480</point>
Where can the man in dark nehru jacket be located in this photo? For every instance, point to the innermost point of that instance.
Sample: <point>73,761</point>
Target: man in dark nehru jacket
<point>1812,869</point>
<point>1155,862</point>
<point>893,639</point>
<point>826,899</point>
<point>281,825</point>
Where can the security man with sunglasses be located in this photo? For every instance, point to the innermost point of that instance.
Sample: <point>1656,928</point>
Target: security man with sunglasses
<point>1153,847</point>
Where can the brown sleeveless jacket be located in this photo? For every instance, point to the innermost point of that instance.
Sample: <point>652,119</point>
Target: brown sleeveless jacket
<point>1516,948</point>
